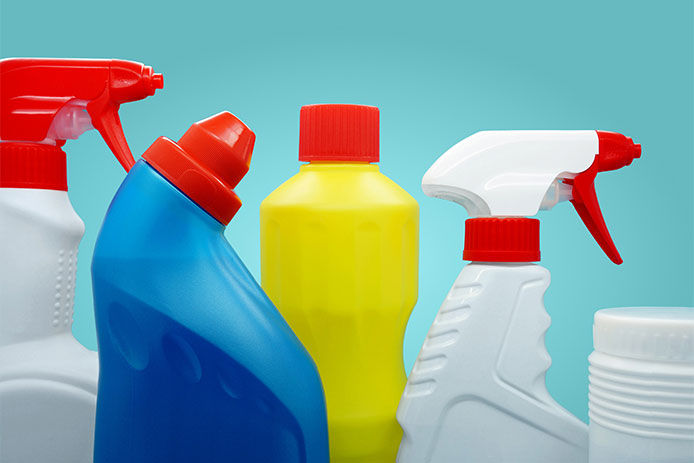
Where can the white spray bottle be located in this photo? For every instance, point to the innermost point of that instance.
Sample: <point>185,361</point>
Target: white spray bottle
<point>477,391</point>
<point>48,380</point>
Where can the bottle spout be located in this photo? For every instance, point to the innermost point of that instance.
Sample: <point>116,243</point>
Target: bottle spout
<point>157,82</point>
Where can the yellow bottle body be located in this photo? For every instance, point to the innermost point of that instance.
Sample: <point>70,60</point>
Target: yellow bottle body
<point>339,258</point>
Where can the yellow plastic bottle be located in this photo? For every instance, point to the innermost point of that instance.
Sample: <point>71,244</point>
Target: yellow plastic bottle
<point>339,258</point>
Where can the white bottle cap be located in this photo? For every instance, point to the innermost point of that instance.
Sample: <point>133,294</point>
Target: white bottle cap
<point>646,333</point>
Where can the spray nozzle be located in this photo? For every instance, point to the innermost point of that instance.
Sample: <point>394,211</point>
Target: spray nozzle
<point>517,173</point>
<point>52,100</point>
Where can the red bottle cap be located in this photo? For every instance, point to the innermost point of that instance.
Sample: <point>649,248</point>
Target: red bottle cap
<point>32,165</point>
<point>338,132</point>
<point>491,239</point>
<point>208,161</point>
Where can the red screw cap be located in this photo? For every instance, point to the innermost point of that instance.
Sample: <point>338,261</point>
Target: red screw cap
<point>490,239</point>
<point>32,165</point>
<point>338,132</point>
<point>208,161</point>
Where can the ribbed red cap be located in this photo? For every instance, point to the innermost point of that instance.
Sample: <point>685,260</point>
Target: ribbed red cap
<point>32,165</point>
<point>208,161</point>
<point>490,239</point>
<point>338,132</point>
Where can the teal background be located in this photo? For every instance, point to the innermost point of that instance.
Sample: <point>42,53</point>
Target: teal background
<point>439,71</point>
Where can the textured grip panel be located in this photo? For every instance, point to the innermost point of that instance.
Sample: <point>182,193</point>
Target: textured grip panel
<point>481,369</point>
<point>441,339</point>
<point>524,360</point>
<point>63,308</point>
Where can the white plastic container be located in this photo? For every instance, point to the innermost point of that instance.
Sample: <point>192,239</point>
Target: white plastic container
<point>477,391</point>
<point>47,379</point>
<point>642,386</point>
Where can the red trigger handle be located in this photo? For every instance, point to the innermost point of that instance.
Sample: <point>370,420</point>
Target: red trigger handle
<point>105,119</point>
<point>615,151</point>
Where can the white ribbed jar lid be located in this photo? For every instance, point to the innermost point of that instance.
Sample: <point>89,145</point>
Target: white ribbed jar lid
<point>646,333</point>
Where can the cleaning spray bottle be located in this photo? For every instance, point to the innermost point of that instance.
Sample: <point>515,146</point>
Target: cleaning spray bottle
<point>48,381</point>
<point>196,362</point>
<point>477,391</point>
<point>339,249</point>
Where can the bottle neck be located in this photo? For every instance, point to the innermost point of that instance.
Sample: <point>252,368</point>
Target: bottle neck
<point>314,166</point>
<point>199,182</point>
<point>32,165</point>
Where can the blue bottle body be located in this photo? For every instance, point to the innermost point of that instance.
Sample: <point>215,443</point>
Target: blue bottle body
<point>196,362</point>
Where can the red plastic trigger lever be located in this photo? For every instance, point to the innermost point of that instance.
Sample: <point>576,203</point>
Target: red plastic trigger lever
<point>615,151</point>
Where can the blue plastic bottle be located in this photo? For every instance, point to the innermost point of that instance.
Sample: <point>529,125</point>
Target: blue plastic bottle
<point>197,365</point>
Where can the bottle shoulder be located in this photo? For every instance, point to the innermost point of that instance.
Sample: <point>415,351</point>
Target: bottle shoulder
<point>26,207</point>
<point>491,271</point>
<point>151,219</point>
<point>365,187</point>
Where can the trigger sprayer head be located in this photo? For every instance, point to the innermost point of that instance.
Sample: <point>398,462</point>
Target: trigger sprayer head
<point>502,177</point>
<point>44,100</point>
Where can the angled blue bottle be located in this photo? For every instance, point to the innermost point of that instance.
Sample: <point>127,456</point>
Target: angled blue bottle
<point>196,362</point>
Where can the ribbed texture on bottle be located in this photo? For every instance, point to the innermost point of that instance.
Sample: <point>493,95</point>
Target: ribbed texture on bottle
<point>502,240</point>
<point>649,401</point>
<point>336,132</point>
<point>32,165</point>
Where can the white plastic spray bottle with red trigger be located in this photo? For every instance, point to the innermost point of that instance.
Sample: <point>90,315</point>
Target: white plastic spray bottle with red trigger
<point>47,379</point>
<point>477,391</point>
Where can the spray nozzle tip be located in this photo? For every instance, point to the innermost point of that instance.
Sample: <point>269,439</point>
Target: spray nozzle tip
<point>153,81</point>
<point>157,81</point>
<point>636,150</point>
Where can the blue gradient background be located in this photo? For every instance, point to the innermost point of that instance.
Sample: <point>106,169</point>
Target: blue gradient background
<point>439,72</point>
